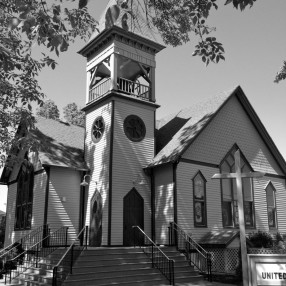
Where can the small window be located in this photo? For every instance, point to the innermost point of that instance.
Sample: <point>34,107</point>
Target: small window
<point>97,129</point>
<point>199,188</point>
<point>24,200</point>
<point>271,205</point>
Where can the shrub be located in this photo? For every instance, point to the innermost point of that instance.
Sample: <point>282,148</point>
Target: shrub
<point>279,237</point>
<point>261,239</point>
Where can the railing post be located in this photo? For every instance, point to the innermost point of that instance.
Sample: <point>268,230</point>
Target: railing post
<point>209,267</point>
<point>152,249</point>
<point>37,255</point>
<point>86,232</point>
<point>66,238</point>
<point>71,260</point>
<point>55,276</point>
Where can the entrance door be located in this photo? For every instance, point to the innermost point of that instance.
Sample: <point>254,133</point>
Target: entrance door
<point>95,229</point>
<point>133,214</point>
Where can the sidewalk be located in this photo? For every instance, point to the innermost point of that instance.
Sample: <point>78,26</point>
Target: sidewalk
<point>198,283</point>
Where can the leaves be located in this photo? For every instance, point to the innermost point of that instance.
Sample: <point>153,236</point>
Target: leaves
<point>281,75</point>
<point>241,4</point>
<point>49,110</point>
<point>24,23</point>
<point>74,115</point>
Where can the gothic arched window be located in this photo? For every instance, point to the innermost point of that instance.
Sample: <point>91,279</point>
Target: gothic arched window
<point>24,200</point>
<point>229,192</point>
<point>200,211</point>
<point>271,205</point>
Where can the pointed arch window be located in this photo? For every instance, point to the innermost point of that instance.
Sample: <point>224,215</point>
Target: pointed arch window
<point>200,211</point>
<point>271,205</point>
<point>229,192</point>
<point>24,200</point>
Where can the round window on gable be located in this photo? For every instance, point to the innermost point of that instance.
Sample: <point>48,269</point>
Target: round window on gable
<point>97,129</point>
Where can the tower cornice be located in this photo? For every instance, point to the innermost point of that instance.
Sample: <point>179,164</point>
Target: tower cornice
<point>116,33</point>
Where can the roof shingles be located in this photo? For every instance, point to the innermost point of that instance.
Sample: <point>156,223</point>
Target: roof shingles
<point>62,144</point>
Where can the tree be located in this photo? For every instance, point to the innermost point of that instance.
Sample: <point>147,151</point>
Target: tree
<point>24,23</point>
<point>49,110</point>
<point>178,20</point>
<point>74,115</point>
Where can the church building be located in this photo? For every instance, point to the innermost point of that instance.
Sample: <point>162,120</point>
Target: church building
<point>127,168</point>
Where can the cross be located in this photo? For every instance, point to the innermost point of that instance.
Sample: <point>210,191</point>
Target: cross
<point>238,176</point>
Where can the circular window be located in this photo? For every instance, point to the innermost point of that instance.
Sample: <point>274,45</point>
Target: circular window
<point>97,129</point>
<point>134,128</point>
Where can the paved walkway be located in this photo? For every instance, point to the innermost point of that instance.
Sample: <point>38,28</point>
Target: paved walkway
<point>198,283</point>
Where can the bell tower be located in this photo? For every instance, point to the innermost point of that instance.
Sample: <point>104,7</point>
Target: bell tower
<point>120,122</point>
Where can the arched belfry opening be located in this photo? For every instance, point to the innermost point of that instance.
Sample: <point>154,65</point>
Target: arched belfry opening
<point>128,77</point>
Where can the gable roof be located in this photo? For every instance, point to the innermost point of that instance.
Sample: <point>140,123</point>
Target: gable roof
<point>177,132</point>
<point>61,145</point>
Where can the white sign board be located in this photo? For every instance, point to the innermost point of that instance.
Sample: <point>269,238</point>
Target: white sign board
<point>266,269</point>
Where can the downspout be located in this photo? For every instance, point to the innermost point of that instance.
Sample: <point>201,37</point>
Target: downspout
<point>153,226</point>
<point>175,165</point>
<point>48,171</point>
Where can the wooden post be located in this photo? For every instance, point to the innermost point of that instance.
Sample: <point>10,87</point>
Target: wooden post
<point>238,176</point>
<point>113,71</point>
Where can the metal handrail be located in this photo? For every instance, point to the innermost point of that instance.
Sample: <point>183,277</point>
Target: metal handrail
<point>67,260</point>
<point>159,259</point>
<point>194,252</point>
<point>24,241</point>
<point>31,257</point>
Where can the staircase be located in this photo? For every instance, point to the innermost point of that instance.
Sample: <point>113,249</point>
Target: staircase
<point>126,266</point>
<point>108,266</point>
<point>184,273</point>
<point>35,276</point>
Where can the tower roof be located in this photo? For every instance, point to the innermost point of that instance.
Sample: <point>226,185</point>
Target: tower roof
<point>129,15</point>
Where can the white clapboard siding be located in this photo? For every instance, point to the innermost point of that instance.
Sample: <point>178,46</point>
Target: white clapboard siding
<point>64,200</point>
<point>232,125</point>
<point>164,202</point>
<point>129,158</point>
<point>185,211</point>
<point>261,204</point>
<point>38,208</point>
<point>97,156</point>
<point>10,214</point>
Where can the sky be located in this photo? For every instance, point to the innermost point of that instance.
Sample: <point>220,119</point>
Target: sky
<point>255,45</point>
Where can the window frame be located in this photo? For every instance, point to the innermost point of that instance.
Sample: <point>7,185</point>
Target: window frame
<point>24,197</point>
<point>270,185</point>
<point>201,201</point>
<point>233,201</point>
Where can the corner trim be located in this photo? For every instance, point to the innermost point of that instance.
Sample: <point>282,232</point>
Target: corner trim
<point>110,174</point>
<point>47,195</point>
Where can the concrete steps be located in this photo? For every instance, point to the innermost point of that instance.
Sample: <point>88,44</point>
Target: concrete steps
<point>28,275</point>
<point>126,266</point>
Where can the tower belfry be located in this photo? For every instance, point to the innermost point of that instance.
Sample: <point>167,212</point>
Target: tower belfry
<point>120,123</point>
<point>121,54</point>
